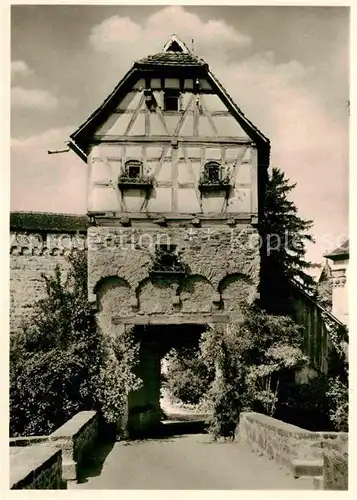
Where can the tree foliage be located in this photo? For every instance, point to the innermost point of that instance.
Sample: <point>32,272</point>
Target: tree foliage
<point>253,358</point>
<point>61,364</point>
<point>337,395</point>
<point>251,362</point>
<point>187,375</point>
<point>284,235</point>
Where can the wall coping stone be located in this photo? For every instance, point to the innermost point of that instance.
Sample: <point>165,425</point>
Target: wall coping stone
<point>303,452</point>
<point>62,440</point>
<point>31,461</point>
<point>73,426</point>
<point>27,440</point>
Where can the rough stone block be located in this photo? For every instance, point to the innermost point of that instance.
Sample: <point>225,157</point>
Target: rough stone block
<point>69,470</point>
<point>318,482</point>
<point>307,467</point>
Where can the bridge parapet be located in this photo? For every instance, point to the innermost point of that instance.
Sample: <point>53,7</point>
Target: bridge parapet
<point>67,445</point>
<point>318,454</point>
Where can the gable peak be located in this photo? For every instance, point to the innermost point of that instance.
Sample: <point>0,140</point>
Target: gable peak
<point>175,44</point>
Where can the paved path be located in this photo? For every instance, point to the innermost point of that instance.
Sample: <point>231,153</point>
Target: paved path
<point>185,462</point>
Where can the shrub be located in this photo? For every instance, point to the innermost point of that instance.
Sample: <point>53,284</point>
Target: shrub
<point>337,395</point>
<point>187,377</point>
<point>251,360</point>
<point>306,405</point>
<point>60,364</point>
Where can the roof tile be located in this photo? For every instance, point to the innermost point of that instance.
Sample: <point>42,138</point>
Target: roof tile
<point>171,59</point>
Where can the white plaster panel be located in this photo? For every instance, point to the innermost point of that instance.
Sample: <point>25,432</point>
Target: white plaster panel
<point>184,173</point>
<point>187,200</point>
<point>213,154</point>
<point>134,199</point>
<point>193,152</point>
<point>130,100</point>
<point>153,152</point>
<point>172,83</point>
<point>205,128</point>
<point>185,98</point>
<point>227,126</point>
<point>115,125</point>
<point>213,201</point>
<point>240,202</point>
<point>243,174</point>
<point>101,171</point>
<point>110,150</point>
<point>165,172</point>
<point>204,85</point>
<point>103,199</point>
<point>156,125</point>
<point>138,127</point>
<point>155,83</point>
<point>140,84</point>
<point>187,126</point>
<point>214,103</point>
<point>160,200</point>
<point>133,152</point>
<point>171,122</point>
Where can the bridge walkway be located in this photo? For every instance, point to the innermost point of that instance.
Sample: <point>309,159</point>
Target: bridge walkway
<point>184,462</point>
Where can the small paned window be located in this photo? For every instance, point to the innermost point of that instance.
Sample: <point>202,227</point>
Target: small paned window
<point>150,100</point>
<point>213,171</point>
<point>133,169</point>
<point>171,101</point>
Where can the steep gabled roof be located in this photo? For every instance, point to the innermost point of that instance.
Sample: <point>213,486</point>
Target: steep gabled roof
<point>47,221</point>
<point>342,251</point>
<point>175,55</point>
<point>171,59</point>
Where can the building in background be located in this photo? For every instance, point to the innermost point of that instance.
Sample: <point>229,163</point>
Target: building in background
<point>339,275</point>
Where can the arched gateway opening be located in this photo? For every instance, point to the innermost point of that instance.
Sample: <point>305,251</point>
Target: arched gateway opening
<point>144,409</point>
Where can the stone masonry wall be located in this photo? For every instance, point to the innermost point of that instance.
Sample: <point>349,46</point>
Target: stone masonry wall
<point>335,466</point>
<point>31,255</point>
<point>35,467</point>
<point>75,438</point>
<point>71,443</point>
<point>223,269</point>
<point>303,451</point>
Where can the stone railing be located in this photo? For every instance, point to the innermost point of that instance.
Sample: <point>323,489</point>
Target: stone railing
<point>72,441</point>
<point>322,455</point>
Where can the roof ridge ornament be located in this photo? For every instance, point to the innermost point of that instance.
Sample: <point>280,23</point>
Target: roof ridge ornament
<point>175,44</point>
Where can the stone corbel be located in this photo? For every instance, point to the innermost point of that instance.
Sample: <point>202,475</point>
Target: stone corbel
<point>125,221</point>
<point>216,299</point>
<point>134,303</point>
<point>92,299</point>
<point>161,221</point>
<point>254,220</point>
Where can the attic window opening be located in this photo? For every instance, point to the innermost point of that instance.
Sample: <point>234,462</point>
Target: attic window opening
<point>213,171</point>
<point>171,101</point>
<point>150,100</point>
<point>174,47</point>
<point>133,169</point>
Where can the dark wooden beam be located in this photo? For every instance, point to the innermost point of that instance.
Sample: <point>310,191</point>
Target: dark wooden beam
<point>138,139</point>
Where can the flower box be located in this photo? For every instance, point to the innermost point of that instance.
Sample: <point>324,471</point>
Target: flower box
<point>141,182</point>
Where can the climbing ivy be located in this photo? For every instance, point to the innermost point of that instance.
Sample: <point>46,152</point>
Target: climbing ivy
<point>252,360</point>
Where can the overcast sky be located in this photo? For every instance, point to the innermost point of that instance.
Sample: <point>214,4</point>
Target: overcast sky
<point>286,67</point>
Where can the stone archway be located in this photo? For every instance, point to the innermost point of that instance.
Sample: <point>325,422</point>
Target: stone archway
<point>144,411</point>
